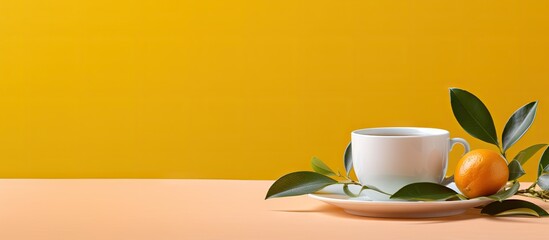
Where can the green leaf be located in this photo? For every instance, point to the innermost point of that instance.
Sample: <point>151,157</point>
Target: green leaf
<point>518,124</point>
<point>543,161</point>
<point>473,116</point>
<point>320,167</point>
<point>515,170</point>
<point>298,183</point>
<point>424,191</point>
<point>349,193</point>
<point>527,153</point>
<point>543,181</point>
<point>364,187</point>
<point>348,158</point>
<point>514,207</point>
<point>502,195</point>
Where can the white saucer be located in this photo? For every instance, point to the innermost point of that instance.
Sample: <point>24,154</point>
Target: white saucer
<point>374,204</point>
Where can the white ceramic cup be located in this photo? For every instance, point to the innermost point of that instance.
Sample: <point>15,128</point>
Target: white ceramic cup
<point>393,157</point>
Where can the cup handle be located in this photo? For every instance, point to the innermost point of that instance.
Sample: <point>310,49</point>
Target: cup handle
<point>461,141</point>
<point>453,141</point>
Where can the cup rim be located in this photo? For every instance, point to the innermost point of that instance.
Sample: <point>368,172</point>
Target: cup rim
<point>425,132</point>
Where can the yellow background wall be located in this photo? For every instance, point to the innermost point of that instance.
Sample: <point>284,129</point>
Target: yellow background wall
<point>250,89</point>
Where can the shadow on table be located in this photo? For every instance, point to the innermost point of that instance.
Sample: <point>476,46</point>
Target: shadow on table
<point>333,211</point>
<point>319,209</point>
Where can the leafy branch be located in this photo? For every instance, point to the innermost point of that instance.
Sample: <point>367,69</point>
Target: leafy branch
<point>475,118</point>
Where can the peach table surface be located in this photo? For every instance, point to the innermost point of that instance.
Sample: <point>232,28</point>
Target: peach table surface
<point>135,209</point>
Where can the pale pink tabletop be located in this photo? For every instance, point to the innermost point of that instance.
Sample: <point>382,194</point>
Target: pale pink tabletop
<point>215,209</point>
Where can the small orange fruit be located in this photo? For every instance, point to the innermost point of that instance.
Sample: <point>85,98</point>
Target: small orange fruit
<point>481,172</point>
